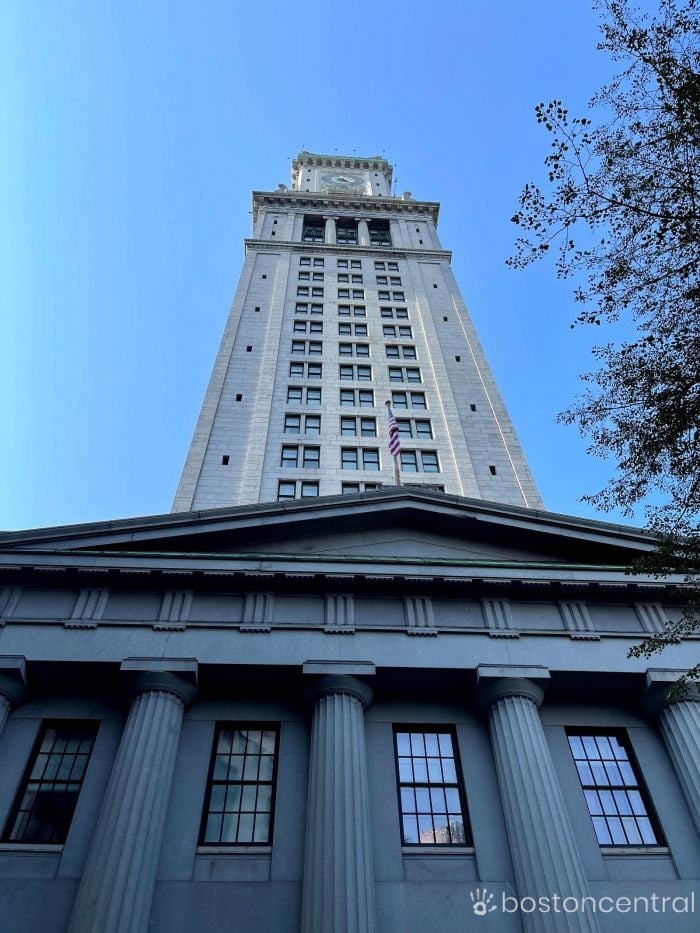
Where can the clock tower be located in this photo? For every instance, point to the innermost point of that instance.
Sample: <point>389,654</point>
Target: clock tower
<point>371,176</point>
<point>347,302</point>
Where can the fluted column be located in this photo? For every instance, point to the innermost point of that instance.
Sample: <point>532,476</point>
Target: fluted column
<point>338,874</point>
<point>362,233</point>
<point>679,723</point>
<point>545,858</point>
<point>330,230</point>
<point>13,688</point>
<point>117,886</point>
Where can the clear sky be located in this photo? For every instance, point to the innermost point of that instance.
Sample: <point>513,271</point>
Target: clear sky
<point>132,135</point>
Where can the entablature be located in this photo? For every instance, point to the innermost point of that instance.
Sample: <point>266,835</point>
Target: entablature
<point>351,203</point>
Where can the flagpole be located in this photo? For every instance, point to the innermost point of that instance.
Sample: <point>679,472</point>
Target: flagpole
<point>397,472</point>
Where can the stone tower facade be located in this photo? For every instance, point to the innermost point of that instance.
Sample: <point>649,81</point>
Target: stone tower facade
<point>347,301</point>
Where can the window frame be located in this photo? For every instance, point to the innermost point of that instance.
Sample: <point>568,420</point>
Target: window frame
<point>622,736</point>
<point>87,725</point>
<point>242,727</point>
<point>458,784</point>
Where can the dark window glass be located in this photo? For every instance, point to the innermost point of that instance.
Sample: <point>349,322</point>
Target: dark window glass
<point>348,426</point>
<point>309,490</point>
<point>292,424</point>
<point>366,398</point>
<point>430,461</point>
<point>314,230</point>
<point>430,797</point>
<point>48,795</point>
<point>379,233</point>
<point>346,231</point>
<point>240,797</point>
<point>617,800</point>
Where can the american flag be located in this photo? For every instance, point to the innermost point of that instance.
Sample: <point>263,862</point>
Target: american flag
<point>394,439</point>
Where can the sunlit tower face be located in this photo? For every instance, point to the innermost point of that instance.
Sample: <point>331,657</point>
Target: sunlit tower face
<point>347,301</point>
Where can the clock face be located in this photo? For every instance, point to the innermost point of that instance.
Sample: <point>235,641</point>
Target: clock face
<point>343,180</point>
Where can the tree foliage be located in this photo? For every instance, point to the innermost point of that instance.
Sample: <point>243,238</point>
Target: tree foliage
<point>621,212</point>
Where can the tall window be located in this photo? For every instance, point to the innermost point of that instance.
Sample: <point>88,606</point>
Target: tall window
<point>379,233</point>
<point>346,231</point>
<point>314,230</point>
<point>616,797</point>
<point>240,795</point>
<point>432,807</point>
<point>48,795</point>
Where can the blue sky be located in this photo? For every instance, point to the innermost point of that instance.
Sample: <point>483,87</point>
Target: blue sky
<point>133,134</point>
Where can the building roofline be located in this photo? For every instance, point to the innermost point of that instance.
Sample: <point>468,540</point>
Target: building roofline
<point>271,512</point>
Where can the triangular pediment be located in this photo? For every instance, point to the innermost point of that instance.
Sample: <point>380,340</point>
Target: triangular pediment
<point>387,524</point>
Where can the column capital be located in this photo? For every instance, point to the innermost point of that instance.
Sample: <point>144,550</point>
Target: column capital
<point>495,682</point>
<point>339,683</point>
<point>659,683</point>
<point>169,675</point>
<point>13,679</point>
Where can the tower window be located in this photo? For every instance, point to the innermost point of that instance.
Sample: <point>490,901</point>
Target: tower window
<point>224,460</point>
<point>492,470</point>
<point>290,456</point>
<point>472,407</point>
<point>239,397</point>
<point>257,309</point>
<point>313,230</point>
<point>311,458</point>
<point>249,349</point>
<point>379,233</point>
<point>346,232</point>
<point>458,359</point>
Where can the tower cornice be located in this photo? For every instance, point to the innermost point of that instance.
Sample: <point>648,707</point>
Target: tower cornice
<point>347,202</point>
<point>381,252</point>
